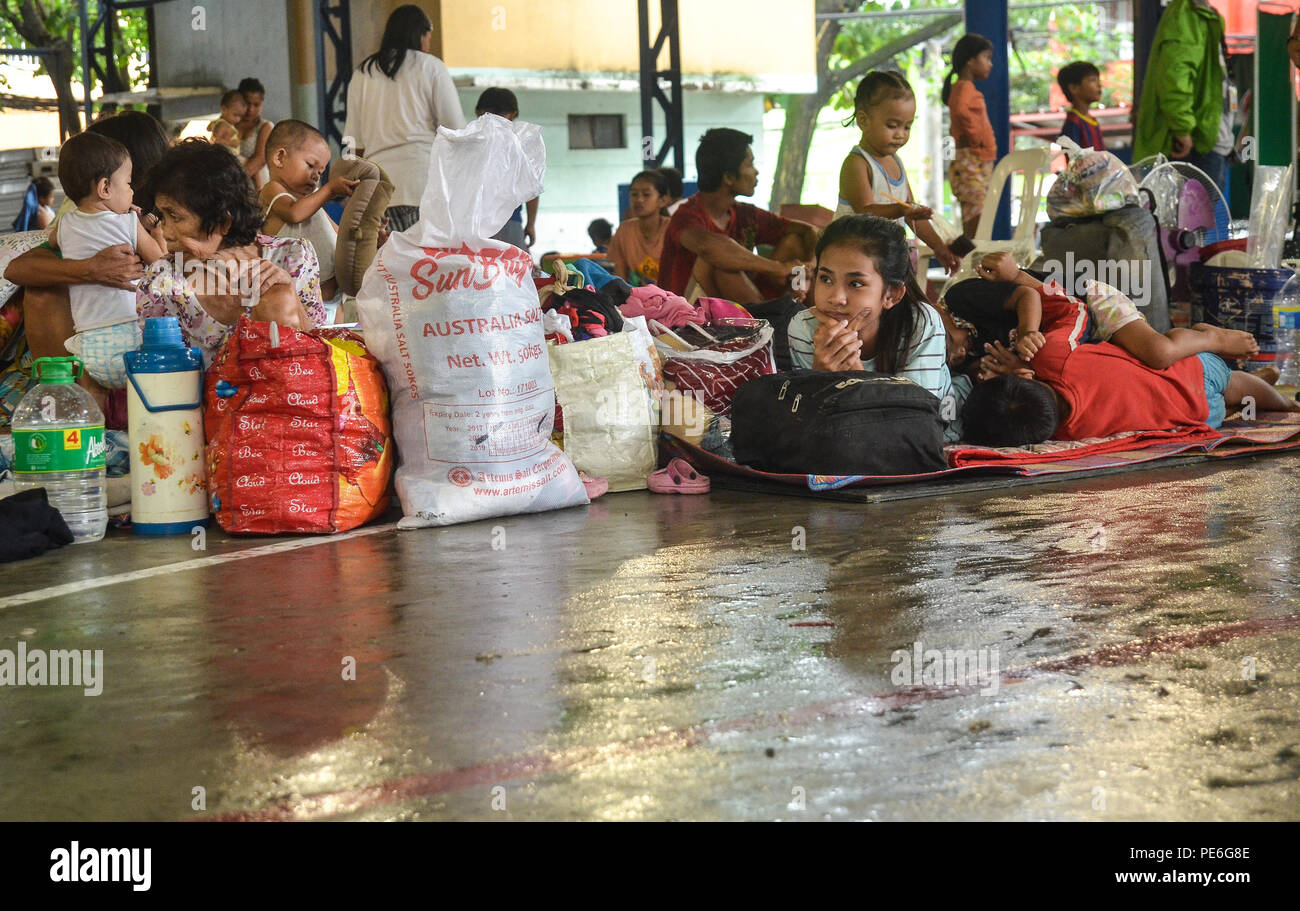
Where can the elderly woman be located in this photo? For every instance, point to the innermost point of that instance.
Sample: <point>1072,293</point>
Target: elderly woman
<point>218,265</point>
<point>397,99</point>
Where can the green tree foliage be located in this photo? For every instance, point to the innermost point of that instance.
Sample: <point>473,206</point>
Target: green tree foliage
<point>1042,39</point>
<point>847,49</point>
<point>1045,39</point>
<point>56,24</point>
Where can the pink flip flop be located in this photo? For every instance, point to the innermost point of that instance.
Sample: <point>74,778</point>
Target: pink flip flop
<point>595,487</point>
<point>678,477</point>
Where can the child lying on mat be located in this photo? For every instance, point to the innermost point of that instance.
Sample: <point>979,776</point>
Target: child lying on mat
<point>1106,315</point>
<point>1082,392</point>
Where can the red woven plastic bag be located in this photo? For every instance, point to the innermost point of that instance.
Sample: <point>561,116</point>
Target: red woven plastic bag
<point>713,374</point>
<point>299,438</point>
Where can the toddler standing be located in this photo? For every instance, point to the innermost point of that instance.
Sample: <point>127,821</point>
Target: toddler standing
<point>872,179</point>
<point>44,202</point>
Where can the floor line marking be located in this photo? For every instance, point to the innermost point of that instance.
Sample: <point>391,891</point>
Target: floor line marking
<point>72,588</point>
<point>514,768</point>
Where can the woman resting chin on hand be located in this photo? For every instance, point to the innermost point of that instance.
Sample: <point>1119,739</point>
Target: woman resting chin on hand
<point>218,266</point>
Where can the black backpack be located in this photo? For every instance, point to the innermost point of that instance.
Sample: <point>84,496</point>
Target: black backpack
<point>854,422</point>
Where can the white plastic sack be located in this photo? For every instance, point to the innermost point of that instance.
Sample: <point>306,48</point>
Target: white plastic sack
<point>11,247</point>
<point>611,420</point>
<point>652,364</point>
<point>454,319</point>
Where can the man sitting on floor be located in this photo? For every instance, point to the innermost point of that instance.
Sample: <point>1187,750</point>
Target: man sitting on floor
<point>711,238</point>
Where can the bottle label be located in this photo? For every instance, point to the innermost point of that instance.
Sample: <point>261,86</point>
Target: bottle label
<point>55,449</point>
<point>1286,317</point>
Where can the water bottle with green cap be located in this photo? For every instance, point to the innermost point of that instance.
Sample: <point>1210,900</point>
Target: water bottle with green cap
<point>59,445</point>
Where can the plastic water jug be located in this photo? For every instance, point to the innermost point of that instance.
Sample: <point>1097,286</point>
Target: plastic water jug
<point>59,445</point>
<point>164,409</point>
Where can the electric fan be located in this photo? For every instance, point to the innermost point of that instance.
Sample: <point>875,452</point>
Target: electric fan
<point>1190,211</point>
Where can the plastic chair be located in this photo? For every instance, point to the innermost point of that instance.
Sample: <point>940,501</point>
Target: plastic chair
<point>1023,245</point>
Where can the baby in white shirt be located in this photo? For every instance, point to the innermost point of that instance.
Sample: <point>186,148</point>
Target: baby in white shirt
<point>96,172</point>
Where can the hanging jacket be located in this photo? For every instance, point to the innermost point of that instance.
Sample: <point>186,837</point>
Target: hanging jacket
<point>1182,93</point>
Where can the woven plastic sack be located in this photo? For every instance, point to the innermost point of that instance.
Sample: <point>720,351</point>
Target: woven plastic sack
<point>611,422</point>
<point>1093,182</point>
<point>298,432</point>
<point>712,374</point>
<point>454,318</point>
<point>11,247</point>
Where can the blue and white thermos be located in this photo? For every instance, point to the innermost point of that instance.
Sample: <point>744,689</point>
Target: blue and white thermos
<point>164,412</point>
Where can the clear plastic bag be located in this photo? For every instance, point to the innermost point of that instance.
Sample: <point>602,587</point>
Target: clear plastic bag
<point>1270,209</point>
<point>1093,182</point>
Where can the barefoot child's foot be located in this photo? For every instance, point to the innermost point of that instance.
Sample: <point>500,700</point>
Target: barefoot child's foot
<point>1268,374</point>
<point>1230,342</point>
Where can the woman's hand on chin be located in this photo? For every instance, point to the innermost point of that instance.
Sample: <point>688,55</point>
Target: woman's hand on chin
<point>836,344</point>
<point>228,282</point>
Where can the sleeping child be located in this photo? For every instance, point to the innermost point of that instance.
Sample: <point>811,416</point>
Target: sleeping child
<point>1105,315</point>
<point>1075,391</point>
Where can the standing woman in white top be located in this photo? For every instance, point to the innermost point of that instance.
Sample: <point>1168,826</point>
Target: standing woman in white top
<point>397,99</point>
<point>253,131</point>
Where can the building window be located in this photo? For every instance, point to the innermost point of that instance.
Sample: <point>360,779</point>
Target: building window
<point>596,131</point>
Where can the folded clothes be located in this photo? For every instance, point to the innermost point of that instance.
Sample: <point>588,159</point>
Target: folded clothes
<point>592,314</point>
<point>593,274</point>
<point>715,308</point>
<point>655,303</point>
<point>29,526</point>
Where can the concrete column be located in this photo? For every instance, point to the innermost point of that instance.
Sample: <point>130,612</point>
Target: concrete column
<point>302,62</point>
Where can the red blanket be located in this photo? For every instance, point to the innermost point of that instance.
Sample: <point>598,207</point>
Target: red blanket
<point>967,456</point>
<point>1271,432</point>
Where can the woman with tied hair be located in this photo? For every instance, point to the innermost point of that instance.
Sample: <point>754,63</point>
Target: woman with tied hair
<point>397,99</point>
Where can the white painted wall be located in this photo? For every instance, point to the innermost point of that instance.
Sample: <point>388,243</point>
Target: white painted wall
<point>248,38</point>
<point>582,184</point>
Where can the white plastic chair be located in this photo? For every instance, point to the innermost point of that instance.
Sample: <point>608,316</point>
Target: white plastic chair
<point>1023,245</point>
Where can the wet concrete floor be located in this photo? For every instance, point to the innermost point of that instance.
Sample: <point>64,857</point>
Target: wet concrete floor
<point>1134,645</point>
